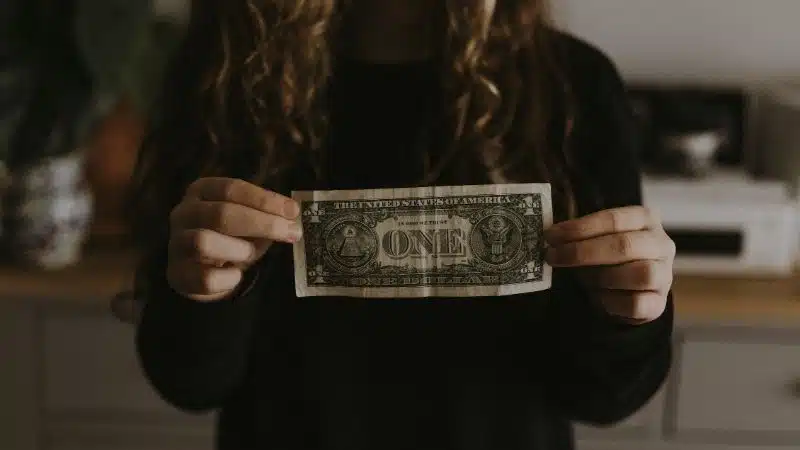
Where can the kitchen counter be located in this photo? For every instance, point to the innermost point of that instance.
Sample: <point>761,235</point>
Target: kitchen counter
<point>75,381</point>
<point>103,274</point>
<point>97,278</point>
<point>757,302</point>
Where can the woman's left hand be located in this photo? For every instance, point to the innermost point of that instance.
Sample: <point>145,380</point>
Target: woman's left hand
<point>623,255</point>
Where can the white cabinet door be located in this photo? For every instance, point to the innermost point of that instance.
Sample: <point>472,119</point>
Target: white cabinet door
<point>94,395</point>
<point>141,439</point>
<point>18,357</point>
<point>739,389</point>
<point>90,369</point>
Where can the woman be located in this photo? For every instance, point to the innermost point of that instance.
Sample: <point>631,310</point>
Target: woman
<point>320,94</point>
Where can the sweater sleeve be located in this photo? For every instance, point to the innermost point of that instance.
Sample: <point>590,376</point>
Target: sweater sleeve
<point>603,371</point>
<point>194,354</point>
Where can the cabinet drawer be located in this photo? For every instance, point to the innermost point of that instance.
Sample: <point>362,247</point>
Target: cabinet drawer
<point>101,438</point>
<point>740,388</point>
<point>90,367</point>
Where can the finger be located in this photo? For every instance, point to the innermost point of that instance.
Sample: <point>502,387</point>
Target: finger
<point>195,279</point>
<point>610,249</point>
<point>233,190</point>
<point>610,221</point>
<point>637,306</point>
<point>235,220</point>
<point>211,247</point>
<point>647,275</point>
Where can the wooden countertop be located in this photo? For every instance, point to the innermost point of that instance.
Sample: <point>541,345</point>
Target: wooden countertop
<point>702,300</point>
<point>705,300</point>
<point>98,277</point>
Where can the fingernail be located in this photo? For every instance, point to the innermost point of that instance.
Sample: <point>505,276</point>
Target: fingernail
<point>291,209</point>
<point>295,232</point>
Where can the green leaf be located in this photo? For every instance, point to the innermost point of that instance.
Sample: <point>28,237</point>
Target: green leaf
<point>147,69</point>
<point>110,35</point>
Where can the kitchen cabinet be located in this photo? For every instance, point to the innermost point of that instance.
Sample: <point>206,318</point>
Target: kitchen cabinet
<point>737,385</point>
<point>70,379</point>
<point>731,388</point>
<point>69,375</point>
<point>735,381</point>
<point>19,413</point>
<point>127,437</point>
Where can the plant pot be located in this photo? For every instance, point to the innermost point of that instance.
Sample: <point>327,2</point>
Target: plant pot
<point>5,181</point>
<point>110,161</point>
<point>48,213</point>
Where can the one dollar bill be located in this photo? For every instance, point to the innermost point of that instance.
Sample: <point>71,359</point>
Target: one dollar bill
<point>453,241</point>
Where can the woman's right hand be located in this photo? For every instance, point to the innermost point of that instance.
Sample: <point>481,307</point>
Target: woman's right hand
<point>221,227</point>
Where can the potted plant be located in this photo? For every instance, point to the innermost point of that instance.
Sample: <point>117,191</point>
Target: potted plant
<point>47,207</point>
<point>85,58</point>
<point>127,67</point>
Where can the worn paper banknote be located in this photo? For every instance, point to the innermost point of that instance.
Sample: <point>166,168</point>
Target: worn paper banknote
<point>455,241</point>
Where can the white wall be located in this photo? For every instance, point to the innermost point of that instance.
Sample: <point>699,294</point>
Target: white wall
<point>728,41</point>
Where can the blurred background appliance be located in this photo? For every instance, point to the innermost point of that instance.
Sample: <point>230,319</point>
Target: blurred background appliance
<point>687,131</point>
<point>699,175</point>
<point>727,224</point>
<point>774,142</point>
<point>775,133</point>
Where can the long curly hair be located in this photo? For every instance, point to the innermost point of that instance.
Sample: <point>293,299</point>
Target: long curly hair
<point>245,98</point>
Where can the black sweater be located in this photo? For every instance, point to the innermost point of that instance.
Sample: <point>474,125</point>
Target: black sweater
<point>506,373</point>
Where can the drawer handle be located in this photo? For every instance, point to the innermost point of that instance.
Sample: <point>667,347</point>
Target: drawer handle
<point>794,388</point>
